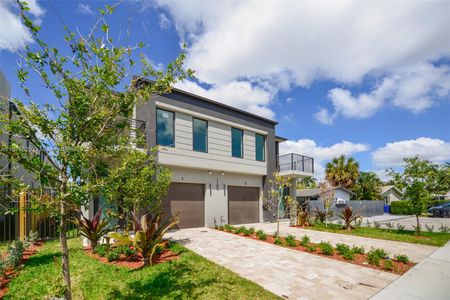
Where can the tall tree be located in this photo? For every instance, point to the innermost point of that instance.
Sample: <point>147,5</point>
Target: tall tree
<point>367,187</point>
<point>92,94</point>
<point>342,171</point>
<point>307,183</point>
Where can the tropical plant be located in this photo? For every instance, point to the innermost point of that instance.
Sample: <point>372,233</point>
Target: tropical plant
<point>302,217</point>
<point>149,231</point>
<point>400,227</point>
<point>113,255</point>
<point>389,225</point>
<point>92,86</point>
<point>261,235</point>
<point>307,183</point>
<point>321,215</point>
<point>402,258</point>
<point>228,227</point>
<point>376,224</point>
<point>311,248</point>
<point>326,248</point>
<point>342,171</point>
<point>278,241</point>
<point>368,186</point>
<point>388,265</point>
<point>444,228</point>
<point>290,240</point>
<point>349,216</point>
<point>102,249</point>
<point>305,241</point>
<point>94,229</point>
<point>358,250</point>
<point>373,258</point>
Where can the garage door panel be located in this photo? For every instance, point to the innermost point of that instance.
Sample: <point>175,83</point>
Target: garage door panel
<point>186,199</point>
<point>243,205</point>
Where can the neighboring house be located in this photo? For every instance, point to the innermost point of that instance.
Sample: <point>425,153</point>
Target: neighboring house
<point>390,193</point>
<point>305,196</point>
<point>222,158</point>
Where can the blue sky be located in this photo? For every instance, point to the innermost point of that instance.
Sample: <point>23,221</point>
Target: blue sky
<point>371,80</point>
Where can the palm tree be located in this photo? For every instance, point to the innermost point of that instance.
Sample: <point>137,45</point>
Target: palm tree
<point>342,171</point>
<point>368,186</point>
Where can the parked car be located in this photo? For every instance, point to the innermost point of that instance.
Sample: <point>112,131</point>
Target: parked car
<point>440,211</point>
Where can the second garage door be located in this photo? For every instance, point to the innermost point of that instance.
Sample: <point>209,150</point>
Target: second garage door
<point>243,205</point>
<point>187,199</point>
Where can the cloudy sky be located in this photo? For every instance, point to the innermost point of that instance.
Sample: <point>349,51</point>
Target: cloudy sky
<point>367,79</point>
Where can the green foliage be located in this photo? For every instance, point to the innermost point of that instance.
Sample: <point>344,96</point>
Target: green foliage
<point>342,171</point>
<point>133,184</point>
<point>358,250</point>
<point>311,248</point>
<point>240,230</point>
<point>302,217</point>
<point>376,224</point>
<point>402,258</point>
<point>389,225</point>
<point>349,216</point>
<point>326,248</point>
<point>228,227</point>
<point>261,235</point>
<point>93,229</point>
<point>278,241</point>
<point>33,236</point>
<point>368,186</point>
<point>375,255</point>
<point>113,254</point>
<point>159,249</point>
<point>101,249</point>
<point>402,207</point>
<point>306,183</point>
<point>429,228</point>
<point>305,241</point>
<point>400,227</point>
<point>388,265</point>
<point>149,232</point>
<point>320,216</point>
<point>444,228</point>
<point>346,252</point>
<point>250,231</point>
<point>290,240</point>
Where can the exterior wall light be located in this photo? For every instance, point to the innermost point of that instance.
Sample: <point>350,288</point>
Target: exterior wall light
<point>223,173</point>
<point>209,172</point>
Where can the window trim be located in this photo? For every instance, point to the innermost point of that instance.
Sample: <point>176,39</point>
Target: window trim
<point>263,148</point>
<point>242,142</point>
<point>173,129</point>
<point>207,136</point>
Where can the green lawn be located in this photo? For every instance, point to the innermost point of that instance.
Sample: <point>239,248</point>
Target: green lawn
<point>189,277</point>
<point>408,236</point>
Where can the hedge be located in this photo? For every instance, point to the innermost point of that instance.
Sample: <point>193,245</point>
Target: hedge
<point>400,208</point>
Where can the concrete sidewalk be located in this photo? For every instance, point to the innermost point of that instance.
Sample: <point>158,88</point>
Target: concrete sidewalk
<point>288,273</point>
<point>415,252</point>
<point>430,279</point>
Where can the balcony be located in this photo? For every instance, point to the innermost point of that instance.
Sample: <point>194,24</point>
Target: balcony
<point>295,165</point>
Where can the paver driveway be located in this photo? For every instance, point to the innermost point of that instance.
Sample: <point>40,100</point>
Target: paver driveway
<point>285,272</point>
<point>414,251</point>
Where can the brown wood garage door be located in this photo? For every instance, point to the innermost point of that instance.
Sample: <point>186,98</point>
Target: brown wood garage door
<point>243,205</point>
<point>188,199</point>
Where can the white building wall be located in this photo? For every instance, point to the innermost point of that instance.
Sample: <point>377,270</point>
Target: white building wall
<point>216,195</point>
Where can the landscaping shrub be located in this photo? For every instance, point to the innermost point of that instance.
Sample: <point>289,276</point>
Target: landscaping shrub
<point>290,241</point>
<point>417,228</point>
<point>402,258</point>
<point>221,227</point>
<point>349,216</point>
<point>240,230</point>
<point>3,266</point>
<point>345,251</point>
<point>94,229</point>
<point>388,265</point>
<point>375,255</point>
<point>278,241</point>
<point>358,250</point>
<point>261,235</point>
<point>113,255</point>
<point>444,228</point>
<point>321,215</point>
<point>400,227</point>
<point>310,247</point>
<point>14,253</point>
<point>377,224</point>
<point>326,248</point>
<point>101,249</point>
<point>389,225</point>
<point>159,249</point>
<point>228,227</point>
<point>33,236</point>
<point>429,228</point>
<point>401,208</point>
<point>249,231</point>
<point>305,241</point>
<point>303,218</point>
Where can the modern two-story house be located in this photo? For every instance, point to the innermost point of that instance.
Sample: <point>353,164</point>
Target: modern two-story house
<point>222,158</point>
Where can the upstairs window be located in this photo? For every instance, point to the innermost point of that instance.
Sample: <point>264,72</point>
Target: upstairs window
<point>200,135</point>
<point>237,136</point>
<point>165,128</point>
<point>260,141</point>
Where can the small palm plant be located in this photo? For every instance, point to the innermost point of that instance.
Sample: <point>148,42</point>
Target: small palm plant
<point>149,232</point>
<point>93,229</point>
<point>349,216</point>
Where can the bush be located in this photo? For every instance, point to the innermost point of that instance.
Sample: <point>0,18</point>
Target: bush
<point>429,228</point>
<point>310,247</point>
<point>326,248</point>
<point>113,255</point>
<point>3,266</point>
<point>358,250</point>
<point>14,253</point>
<point>388,265</point>
<point>401,208</point>
<point>261,235</point>
<point>101,250</point>
<point>390,225</point>
<point>278,241</point>
<point>220,227</point>
<point>345,251</point>
<point>400,227</point>
<point>228,228</point>
<point>377,224</point>
<point>305,241</point>
<point>249,231</point>
<point>159,249</point>
<point>444,228</point>
<point>375,255</point>
<point>402,258</point>
<point>240,230</point>
<point>33,236</point>
<point>290,241</point>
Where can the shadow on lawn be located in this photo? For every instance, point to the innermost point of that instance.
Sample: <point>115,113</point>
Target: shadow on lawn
<point>176,281</point>
<point>43,259</point>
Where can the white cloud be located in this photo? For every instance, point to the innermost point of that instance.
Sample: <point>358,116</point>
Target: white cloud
<point>295,43</point>
<point>392,154</point>
<point>240,94</point>
<point>321,154</point>
<point>13,34</point>
<point>164,21</point>
<point>413,88</point>
<point>85,9</point>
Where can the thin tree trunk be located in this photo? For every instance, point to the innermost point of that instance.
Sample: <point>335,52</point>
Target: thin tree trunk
<point>65,252</point>
<point>418,225</point>
<point>148,260</point>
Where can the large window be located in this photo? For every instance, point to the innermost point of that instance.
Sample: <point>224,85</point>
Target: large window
<point>237,148</point>
<point>200,135</point>
<point>165,128</point>
<point>260,147</point>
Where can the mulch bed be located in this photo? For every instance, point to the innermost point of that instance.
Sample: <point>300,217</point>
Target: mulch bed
<point>134,261</point>
<point>9,275</point>
<point>360,259</point>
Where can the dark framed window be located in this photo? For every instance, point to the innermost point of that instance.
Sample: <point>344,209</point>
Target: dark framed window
<point>260,147</point>
<point>165,128</point>
<point>200,135</point>
<point>237,144</point>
